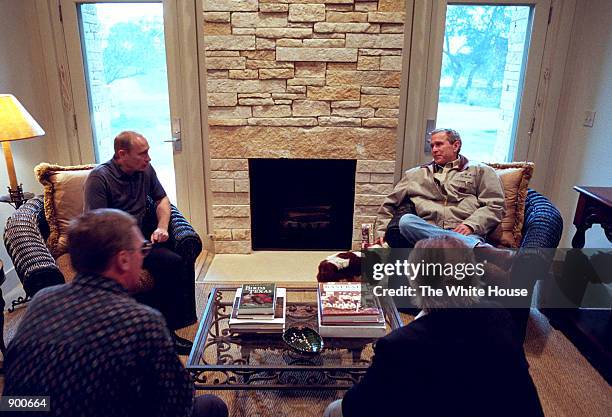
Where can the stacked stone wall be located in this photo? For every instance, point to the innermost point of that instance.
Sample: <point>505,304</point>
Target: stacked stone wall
<point>300,79</point>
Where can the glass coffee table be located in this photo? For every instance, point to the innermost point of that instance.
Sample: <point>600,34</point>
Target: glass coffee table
<point>222,360</point>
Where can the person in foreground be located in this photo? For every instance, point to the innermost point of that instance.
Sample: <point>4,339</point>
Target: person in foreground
<point>457,358</point>
<point>124,183</point>
<point>451,195</point>
<point>90,346</point>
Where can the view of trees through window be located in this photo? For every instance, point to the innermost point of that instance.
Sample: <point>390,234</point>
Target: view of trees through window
<point>482,65</point>
<point>125,60</point>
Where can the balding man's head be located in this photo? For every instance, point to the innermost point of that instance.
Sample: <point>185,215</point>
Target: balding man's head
<point>125,140</point>
<point>131,152</point>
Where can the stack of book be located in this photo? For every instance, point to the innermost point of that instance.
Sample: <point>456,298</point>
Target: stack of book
<point>259,308</point>
<point>345,312</point>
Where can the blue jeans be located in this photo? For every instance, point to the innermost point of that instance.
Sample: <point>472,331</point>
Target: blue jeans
<point>413,229</point>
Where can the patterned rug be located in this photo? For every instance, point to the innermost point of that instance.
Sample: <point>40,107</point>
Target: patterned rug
<point>567,384</point>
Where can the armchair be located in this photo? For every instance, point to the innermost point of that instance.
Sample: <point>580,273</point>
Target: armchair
<point>542,228</point>
<point>25,238</point>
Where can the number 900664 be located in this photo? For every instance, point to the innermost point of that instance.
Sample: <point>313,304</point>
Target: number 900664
<point>25,403</point>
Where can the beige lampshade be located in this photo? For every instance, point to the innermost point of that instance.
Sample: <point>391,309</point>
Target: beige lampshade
<point>15,121</point>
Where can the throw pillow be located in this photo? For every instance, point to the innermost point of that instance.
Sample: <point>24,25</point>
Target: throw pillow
<point>515,178</point>
<point>63,197</point>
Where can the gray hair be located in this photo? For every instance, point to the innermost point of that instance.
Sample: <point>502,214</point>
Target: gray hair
<point>443,250</point>
<point>451,135</point>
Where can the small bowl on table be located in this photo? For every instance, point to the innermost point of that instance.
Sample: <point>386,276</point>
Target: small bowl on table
<point>303,340</point>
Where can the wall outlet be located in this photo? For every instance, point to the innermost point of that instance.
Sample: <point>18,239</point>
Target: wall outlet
<point>589,118</point>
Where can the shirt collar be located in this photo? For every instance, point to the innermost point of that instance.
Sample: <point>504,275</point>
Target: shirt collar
<point>458,164</point>
<point>118,172</point>
<point>100,282</point>
<point>450,165</point>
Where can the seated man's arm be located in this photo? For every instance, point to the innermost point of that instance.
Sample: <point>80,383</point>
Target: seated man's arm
<point>95,195</point>
<point>162,211</point>
<point>162,207</point>
<point>490,195</point>
<point>389,206</point>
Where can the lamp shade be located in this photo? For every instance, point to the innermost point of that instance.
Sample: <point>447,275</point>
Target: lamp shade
<point>15,121</point>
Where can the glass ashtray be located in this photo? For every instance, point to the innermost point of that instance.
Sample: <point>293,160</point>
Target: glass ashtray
<point>303,339</point>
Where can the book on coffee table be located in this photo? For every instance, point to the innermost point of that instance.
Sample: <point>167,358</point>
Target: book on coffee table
<point>353,330</point>
<point>275,324</point>
<point>344,303</point>
<point>257,300</point>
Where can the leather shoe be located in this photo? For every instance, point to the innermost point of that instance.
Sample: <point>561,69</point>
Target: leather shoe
<point>182,345</point>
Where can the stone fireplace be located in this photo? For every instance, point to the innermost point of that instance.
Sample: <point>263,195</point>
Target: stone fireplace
<point>303,80</point>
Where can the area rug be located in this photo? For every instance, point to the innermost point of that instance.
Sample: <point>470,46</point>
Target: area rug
<point>567,384</point>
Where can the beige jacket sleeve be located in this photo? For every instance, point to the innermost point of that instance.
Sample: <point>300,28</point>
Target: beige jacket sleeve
<point>391,203</point>
<point>490,196</point>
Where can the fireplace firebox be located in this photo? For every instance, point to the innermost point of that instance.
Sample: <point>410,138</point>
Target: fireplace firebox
<point>302,204</point>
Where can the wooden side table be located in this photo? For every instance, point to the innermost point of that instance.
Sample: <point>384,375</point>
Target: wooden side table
<point>590,330</point>
<point>594,207</point>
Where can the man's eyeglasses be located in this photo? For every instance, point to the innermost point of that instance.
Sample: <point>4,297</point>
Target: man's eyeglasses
<point>145,249</point>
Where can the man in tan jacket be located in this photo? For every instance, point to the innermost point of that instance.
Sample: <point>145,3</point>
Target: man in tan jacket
<point>451,195</point>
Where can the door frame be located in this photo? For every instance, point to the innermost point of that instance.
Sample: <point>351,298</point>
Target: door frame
<point>424,67</point>
<point>184,55</point>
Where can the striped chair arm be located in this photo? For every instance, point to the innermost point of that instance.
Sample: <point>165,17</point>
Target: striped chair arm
<point>543,222</point>
<point>187,242</point>
<point>27,249</point>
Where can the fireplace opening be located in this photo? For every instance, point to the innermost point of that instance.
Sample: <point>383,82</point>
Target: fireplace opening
<point>302,204</point>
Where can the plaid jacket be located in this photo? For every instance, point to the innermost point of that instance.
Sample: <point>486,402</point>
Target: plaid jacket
<point>97,352</point>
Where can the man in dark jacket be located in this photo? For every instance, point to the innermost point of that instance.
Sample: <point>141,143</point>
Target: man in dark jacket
<point>458,358</point>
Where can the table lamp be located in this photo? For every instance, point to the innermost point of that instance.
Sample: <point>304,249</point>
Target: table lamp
<point>15,124</point>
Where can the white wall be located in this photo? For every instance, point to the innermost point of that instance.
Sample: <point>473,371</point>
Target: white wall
<point>20,75</point>
<point>583,155</point>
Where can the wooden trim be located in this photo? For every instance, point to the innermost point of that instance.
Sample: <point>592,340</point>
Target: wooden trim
<point>63,146</point>
<point>414,94</point>
<point>530,81</point>
<point>203,265</point>
<point>554,66</point>
<point>191,164</point>
<point>78,81</point>
<point>206,216</point>
<point>402,125</point>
